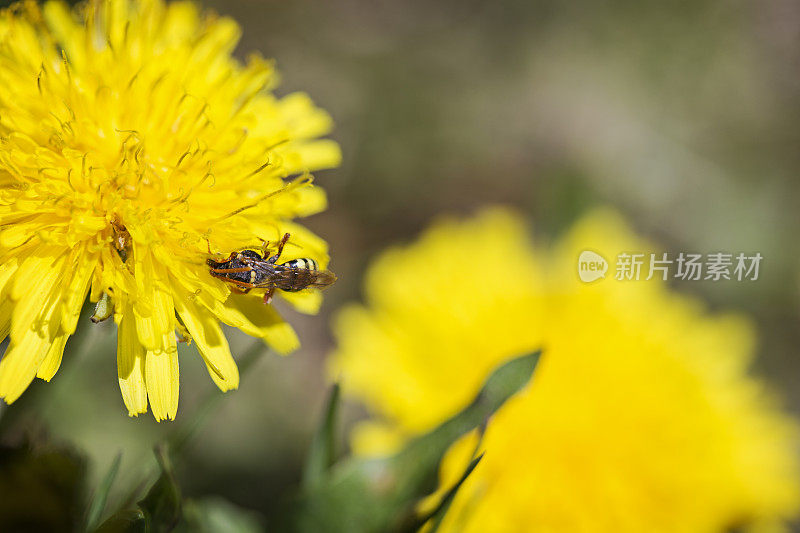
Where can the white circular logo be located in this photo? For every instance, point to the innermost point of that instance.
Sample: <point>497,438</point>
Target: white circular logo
<point>591,266</point>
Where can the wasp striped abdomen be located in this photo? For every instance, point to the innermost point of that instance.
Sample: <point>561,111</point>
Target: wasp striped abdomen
<point>303,263</point>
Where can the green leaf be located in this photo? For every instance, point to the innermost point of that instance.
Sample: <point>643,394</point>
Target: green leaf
<point>438,513</point>
<point>161,509</point>
<point>162,504</point>
<point>98,503</point>
<point>125,521</point>
<point>377,495</point>
<point>215,515</point>
<point>323,447</point>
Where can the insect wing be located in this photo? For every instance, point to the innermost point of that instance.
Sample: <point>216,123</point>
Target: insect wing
<point>323,278</point>
<point>264,275</point>
<point>297,279</point>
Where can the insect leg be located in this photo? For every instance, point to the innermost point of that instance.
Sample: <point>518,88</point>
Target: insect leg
<point>230,257</point>
<point>240,290</point>
<point>268,294</point>
<point>264,248</point>
<point>283,242</point>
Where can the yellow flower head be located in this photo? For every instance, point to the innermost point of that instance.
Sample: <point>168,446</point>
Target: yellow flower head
<point>640,417</point>
<point>131,142</point>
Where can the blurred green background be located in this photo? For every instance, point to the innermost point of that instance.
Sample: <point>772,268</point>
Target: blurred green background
<point>683,115</point>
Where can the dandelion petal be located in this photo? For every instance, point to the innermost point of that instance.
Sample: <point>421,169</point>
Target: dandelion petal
<point>130,365</point>
<point>20,364</point>
<point>161,377</point>
<point>212,344</point>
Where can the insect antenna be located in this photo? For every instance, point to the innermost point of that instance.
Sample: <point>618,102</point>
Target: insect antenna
<point>294,184</point>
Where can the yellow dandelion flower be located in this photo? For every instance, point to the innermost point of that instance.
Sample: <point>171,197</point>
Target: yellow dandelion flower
<point>640,417</point>
<point>131,141</point>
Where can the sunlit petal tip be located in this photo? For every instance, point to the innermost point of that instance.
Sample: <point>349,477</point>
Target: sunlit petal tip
<point>52,360</point>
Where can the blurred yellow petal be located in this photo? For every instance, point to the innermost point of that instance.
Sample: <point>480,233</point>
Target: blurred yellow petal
<point>317,154</point>
<point>307,301</point>
<point>300,203</point>
<point>305,119</point>
<point>376,439</point>
<point>641,416</point>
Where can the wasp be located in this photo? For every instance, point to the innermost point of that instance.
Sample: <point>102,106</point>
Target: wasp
<point>248,269</point>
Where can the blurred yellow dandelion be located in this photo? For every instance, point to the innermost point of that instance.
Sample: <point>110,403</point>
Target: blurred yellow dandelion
<point>130,142</point>
<point>640,417</point>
